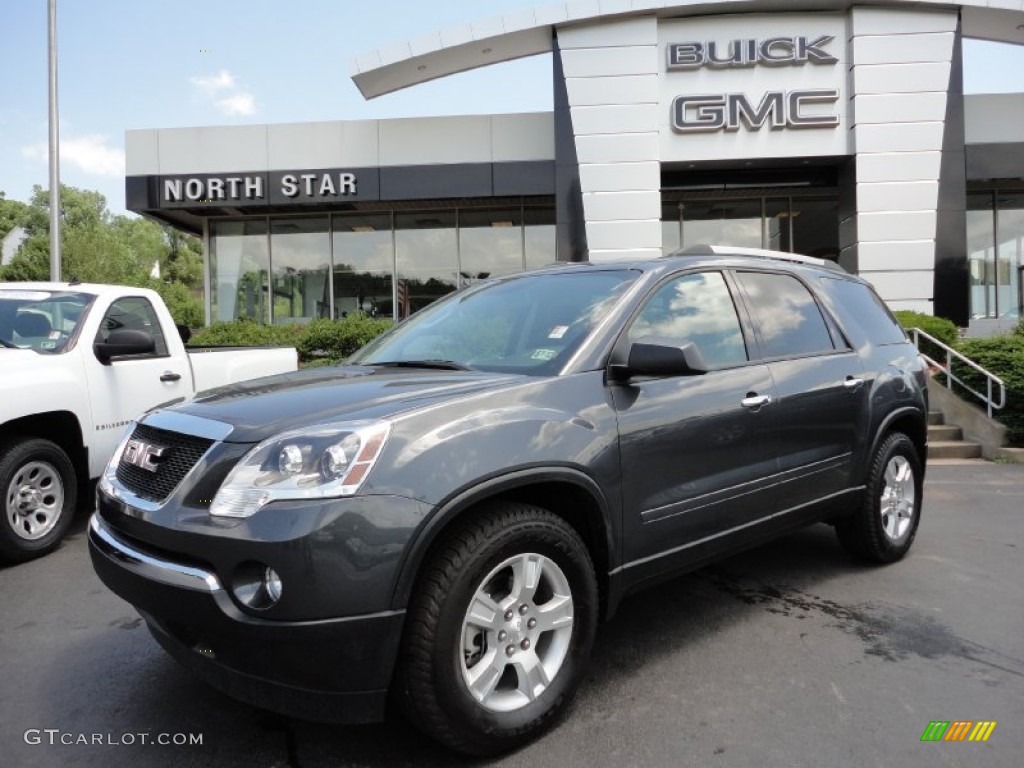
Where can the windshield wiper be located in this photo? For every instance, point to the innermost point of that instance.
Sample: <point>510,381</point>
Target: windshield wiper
<point>440,365</point>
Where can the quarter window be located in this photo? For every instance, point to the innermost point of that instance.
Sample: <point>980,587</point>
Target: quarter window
<point>790,320</point>
<point>695,308</point>
<point>133,313</point>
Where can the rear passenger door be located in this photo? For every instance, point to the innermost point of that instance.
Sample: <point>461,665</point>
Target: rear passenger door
<point>819,383</point>
<point>697,452</point>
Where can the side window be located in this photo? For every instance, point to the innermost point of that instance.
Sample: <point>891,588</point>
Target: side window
<point>856,303</point>
<point>698,308</point>
<point>133,313</point>
<point>790,320</point>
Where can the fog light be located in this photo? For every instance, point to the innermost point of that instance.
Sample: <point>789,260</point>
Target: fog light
<point>256,586</point>
<point>272,583</point>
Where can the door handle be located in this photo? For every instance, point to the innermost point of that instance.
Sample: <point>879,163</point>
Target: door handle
<point>852,382</point>
<point>170,376</point>
<point>755,401</point>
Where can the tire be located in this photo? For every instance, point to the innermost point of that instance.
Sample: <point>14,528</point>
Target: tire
<point>524,674</point>
<point>40,491</point>
<point>884,526</point>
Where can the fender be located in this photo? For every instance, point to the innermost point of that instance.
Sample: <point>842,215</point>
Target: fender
<point>449,508</point>
<point>883,427</point>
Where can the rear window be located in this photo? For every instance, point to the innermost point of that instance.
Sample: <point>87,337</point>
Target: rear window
<point>858,304</point>
<point>791,323</point>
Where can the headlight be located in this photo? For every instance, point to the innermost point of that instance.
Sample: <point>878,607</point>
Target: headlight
<point>110,472</point>
<point>319,462</point>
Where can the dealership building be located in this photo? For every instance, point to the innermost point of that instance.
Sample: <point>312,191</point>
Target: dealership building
<point>839,131</point>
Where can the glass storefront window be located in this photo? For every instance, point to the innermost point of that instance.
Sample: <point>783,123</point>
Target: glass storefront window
<point>490,244</point>
<point>239,270</point>
<point>981,254</point>
<point>364,261</point>
<point>722,222</point>
<point>1010,229</point>
<point>815,227</point>
<point>671,227</point>
<point>426,252</point>
<point>539,241</point>
<point>301,257</point>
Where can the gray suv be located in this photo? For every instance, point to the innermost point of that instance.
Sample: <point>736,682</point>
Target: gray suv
<point>442,522</point>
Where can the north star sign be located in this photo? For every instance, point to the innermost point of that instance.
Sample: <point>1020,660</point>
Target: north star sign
<point>252,188</point>
<point>730,111</point>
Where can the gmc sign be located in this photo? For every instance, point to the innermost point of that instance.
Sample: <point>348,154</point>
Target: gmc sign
<point>730,111</point>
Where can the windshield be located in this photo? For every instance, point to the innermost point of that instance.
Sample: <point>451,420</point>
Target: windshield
<point>43,321</point>
<point>530,324</point>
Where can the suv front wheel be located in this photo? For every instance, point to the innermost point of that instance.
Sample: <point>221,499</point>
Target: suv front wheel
<point>884,527</point>
<point>500,630</point>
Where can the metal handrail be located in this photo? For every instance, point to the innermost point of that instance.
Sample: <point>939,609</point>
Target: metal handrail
<point>947,368</point>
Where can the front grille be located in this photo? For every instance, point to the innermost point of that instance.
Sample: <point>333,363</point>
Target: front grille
<point>182,453</point>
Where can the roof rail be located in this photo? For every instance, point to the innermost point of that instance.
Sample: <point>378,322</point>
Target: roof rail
<point>761,253</point>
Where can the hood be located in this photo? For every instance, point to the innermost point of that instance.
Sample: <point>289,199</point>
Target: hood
<point>262,408</point>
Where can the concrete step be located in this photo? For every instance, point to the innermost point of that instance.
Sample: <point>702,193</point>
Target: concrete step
<point>936,417</point>
<point>953,449</point>
<point>944,432</point>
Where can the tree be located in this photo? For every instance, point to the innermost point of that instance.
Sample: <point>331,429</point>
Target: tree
<point>99,247</point>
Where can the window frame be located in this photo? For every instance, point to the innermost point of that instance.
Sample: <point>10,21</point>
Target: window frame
<point>156,354</point>
<point>840,342</point>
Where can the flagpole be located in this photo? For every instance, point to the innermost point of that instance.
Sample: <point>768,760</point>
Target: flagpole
<point>54,146</point>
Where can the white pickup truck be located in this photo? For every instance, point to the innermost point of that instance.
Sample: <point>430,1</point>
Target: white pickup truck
<point>77,364</point>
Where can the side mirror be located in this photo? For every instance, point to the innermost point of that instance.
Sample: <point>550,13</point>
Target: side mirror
<point>123,342</point>
<point>656,356</point>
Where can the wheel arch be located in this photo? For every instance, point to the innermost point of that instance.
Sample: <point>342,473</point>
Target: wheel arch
<point>566,492</point>
<point>60,427</point>
<point>911,422</point>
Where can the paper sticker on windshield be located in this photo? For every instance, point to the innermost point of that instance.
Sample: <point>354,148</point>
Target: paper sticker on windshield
<point>558,331</point>
<point>47,344</point>
<point>54,334</point>
<point>544,354</point>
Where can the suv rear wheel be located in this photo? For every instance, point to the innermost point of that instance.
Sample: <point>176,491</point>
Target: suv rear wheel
<point>500,630</point>
<point>883,529</point>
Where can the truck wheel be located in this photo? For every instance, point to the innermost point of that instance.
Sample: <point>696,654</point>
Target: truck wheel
<point>500,630</point>
<point>884,527</point>
<point>39,494</point>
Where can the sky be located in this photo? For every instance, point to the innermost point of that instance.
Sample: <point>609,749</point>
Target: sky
<point>159,64</point>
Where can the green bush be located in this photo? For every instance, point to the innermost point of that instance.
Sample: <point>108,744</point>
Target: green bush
<point>339,338</point>
<point>1003,356</point>
<point>942,329</point>
<point>321,339</point>
<point>246,333</point>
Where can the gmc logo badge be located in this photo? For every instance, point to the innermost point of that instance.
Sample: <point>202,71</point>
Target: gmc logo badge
<point>143,455</point>
<point>731,111</point>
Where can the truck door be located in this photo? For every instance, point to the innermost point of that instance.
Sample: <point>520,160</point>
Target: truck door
<point>129,386</point>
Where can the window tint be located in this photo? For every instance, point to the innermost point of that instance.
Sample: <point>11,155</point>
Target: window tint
<point>791,323</point>
<point>856,303</point>
<point>133,314</point>
<point>697,308</point>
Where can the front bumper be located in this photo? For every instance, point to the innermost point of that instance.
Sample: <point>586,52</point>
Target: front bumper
<point>329,670</point>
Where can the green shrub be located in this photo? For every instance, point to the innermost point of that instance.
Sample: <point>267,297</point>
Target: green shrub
<point>246,333</point>
<point>1003,356</point>
<point>339,338</point>
<point>320,339</point>
<point>942,329</point>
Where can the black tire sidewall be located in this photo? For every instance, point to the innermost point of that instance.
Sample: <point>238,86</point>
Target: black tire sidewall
<point>885,548</point>
<point>571,556</point>
<point>15,455</point>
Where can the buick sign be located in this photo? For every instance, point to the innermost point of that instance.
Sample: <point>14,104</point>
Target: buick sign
<point>772,51</point>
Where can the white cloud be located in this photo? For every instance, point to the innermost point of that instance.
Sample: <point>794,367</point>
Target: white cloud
<point>89,154</point>
<point>213,84</point>
<point>240,103</point>
<point>222,90</point>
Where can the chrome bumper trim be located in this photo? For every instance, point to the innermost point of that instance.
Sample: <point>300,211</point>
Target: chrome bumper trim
<point>147,566</point>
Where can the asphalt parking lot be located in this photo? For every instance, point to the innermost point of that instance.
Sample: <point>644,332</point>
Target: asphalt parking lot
<point>788,655</point>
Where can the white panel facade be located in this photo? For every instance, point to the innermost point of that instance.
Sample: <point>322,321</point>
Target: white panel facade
<point>522,137</point>
<point>902,60</point>
<point>993,118</point>
<point>142,152</point>
<point>428,140</point>
<point>612,74</point>
<point>323,145</point>
<point>211,150</point>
